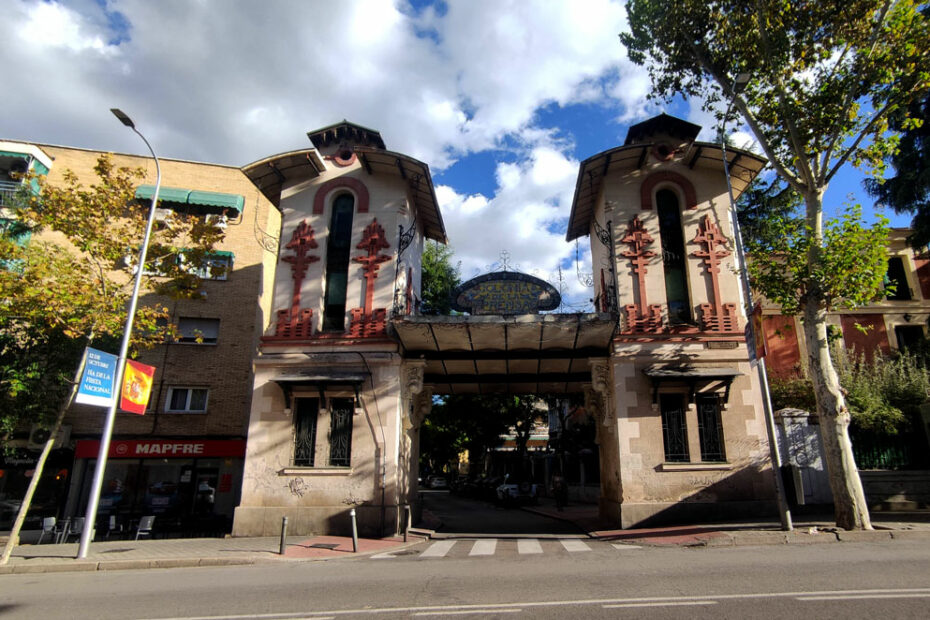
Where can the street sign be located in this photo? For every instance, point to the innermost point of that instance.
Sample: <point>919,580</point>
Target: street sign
<point>98,379</point>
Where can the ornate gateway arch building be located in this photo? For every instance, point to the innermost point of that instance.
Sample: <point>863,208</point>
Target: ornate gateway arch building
<point>348,369</point>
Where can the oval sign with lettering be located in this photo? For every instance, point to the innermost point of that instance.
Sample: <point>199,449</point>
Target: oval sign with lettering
<point>505,292</point>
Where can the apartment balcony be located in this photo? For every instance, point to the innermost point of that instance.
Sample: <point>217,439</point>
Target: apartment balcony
<point>8,191</point>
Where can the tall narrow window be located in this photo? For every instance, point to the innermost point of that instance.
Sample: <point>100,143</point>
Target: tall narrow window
<point>710,429</point>
<point>674,428</point>
<point>337,263</point>
<point>673,257</point>
<point>897,276</point>
<point>340,431</point>
<point>305,415</point>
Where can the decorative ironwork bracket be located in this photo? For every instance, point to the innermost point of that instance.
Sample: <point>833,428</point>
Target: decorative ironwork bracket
<point>603,234</point>
<point>405,238</point>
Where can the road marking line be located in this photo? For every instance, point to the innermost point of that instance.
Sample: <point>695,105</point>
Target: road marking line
<point>528,546</point>
<point>438,549</point>
<point>501,607</point>
<point>469,612</point>
<point>573,545</point>
<point>622,546</point>
<point>669,604</point>
<point>855,597</point>
<point>484,547</point>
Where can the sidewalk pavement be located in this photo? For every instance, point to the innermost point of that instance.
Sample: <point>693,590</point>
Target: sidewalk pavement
<point>188,552</point>
<point>808,529</point>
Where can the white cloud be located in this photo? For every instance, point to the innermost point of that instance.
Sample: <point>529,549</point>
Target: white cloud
<point>531,201</point>
<point>233,82</point>
<point>190,72</point>
<point>48,25</point>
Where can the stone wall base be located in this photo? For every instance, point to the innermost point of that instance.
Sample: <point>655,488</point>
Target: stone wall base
<point>896,490</point>
<point>315,520</point>
<point>680,513</point>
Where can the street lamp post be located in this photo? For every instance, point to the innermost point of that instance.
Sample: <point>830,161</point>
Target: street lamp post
<point>93,501</point>
<point>783,510</point>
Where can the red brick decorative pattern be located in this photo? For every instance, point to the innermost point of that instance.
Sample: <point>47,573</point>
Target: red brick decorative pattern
<point>294,322</point>
<point>715,316</point>
<point>366,322</point>
<point>641,318</point>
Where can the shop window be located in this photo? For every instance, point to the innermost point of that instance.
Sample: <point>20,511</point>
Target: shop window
<point>674,428</point>
<point>340,431</point>
<point>898,277</point>
<point>198,330</point>
<point>710,429</point>
<point>305,419</point>
<point>337,263</point>
<point>186,400</point>
<point>673,257</point>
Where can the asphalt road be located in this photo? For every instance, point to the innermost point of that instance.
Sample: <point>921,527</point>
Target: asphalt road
<point>849,580</point>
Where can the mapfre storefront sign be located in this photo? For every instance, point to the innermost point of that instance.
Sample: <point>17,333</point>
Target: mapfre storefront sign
<point>163,448</point>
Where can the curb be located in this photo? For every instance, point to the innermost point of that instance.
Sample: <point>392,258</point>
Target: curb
<point>20,568</point>
<point>565,518</point>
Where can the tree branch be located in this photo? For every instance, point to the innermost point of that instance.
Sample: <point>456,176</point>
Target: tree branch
<point>842,159</point>
<point>803,162</point>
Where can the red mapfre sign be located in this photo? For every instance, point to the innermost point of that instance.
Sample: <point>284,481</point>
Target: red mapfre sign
<point>162,448</point>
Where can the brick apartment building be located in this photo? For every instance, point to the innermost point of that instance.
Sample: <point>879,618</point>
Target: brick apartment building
<point>181,461</point>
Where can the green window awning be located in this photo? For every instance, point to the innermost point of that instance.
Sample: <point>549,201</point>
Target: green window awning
<point>193,200</point>
<point>165,194</point>
<point>216,199</point>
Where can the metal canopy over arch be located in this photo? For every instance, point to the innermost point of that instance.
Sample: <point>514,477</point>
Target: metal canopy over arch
<point>522,354</point>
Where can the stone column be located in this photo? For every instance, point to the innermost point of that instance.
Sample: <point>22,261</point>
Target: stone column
<point>416,402</point>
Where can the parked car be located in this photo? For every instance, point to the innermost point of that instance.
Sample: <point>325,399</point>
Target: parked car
<point>511,492</point>
<point>437,482</point>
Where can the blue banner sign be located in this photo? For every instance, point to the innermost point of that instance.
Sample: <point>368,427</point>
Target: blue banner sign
<point>98,380</point>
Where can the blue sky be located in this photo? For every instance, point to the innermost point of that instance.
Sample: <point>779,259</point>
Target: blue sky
<point>502,98</point>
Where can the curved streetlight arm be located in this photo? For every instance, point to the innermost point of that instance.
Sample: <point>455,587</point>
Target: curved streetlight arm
<point>784,511</point>
<point>93,501</point>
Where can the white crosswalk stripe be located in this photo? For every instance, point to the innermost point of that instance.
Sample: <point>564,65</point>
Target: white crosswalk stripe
<point>438,549</point>
<point>573,545</point>
<point>528,546</point>
<point>488,547</point>
<point>484,547</point>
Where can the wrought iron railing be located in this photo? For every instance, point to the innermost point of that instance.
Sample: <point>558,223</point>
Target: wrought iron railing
<point>8,190</point>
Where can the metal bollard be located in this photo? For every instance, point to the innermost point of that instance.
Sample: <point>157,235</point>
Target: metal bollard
<point>406,521</point>
<point>354,532</point>
<point>283,536</point>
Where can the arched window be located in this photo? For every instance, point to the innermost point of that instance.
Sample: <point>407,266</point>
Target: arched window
<point>673,257</point>
<point>337,263</point>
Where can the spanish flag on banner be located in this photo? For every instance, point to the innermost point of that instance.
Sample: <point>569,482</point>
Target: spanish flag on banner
<point>137,386</point>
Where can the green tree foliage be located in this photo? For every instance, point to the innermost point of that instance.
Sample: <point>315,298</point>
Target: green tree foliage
<point>824,79</point>
<point>475,423</point>
<point>764,209</point>
<point>850,270</point>
<point>440,277</point>
<point>908,190</point>
<point>884,395</point>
